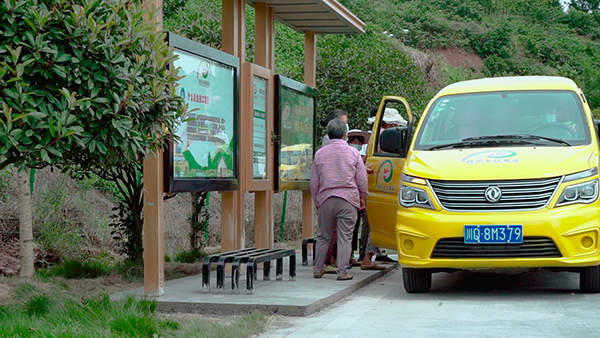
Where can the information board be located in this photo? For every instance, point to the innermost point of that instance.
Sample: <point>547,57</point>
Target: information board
<point>295,123</point>
<point>205,157</point>
<point>260,122</point>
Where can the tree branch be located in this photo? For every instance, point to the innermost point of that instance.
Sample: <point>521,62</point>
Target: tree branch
<point>8,162</point>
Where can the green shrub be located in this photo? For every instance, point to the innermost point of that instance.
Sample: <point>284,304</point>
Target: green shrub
<point>342,76</point>
<point>131,270</point>
<point>583,23</point>
<point>494,40</point>
<point>95,182</point>
<point>5,179</point>
<point>189,256</point>
<point>198,20</point>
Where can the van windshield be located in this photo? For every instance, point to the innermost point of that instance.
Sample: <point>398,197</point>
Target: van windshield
<point>290,157</point>
<point>514,118</point>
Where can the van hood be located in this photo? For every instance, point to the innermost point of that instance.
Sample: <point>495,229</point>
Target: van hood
<point>287,166</point>
<point>500,163</point>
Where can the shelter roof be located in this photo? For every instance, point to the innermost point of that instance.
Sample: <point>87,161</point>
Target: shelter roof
<point>321,16</point>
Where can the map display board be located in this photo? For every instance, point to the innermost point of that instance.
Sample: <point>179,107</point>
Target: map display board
<point>295,127</point>
<point>205,157</point>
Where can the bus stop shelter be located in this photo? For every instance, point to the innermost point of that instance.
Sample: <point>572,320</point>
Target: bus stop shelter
<point>309,17</point>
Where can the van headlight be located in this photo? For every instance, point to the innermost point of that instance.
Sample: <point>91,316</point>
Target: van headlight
<point>585,193</point>
<point>287,174</point>
<point>414,197</point>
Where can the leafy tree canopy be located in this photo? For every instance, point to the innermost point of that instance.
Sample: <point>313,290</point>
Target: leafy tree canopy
<point>84,82</point>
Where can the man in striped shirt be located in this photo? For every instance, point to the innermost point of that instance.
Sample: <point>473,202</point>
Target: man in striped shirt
<point>338,182</point>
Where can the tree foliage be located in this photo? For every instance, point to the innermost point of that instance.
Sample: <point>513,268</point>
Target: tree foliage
<point>80,77</point>
<point>355,72</point>
<point>585,5</point>
<point>86,87</point>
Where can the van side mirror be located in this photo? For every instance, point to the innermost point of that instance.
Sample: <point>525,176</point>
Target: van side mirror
<point>597,127</point>
<point>392,140</point>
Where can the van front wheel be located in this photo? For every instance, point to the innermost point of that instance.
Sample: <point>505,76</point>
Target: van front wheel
<point>589,279</point>
<point>416,280</point>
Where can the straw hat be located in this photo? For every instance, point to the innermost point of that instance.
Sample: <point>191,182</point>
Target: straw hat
<point>360,134</point>
<point>390,116</point>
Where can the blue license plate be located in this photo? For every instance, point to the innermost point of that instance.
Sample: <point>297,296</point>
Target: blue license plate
<point>494,234</point>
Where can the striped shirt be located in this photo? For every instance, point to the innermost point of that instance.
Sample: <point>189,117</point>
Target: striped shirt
<point>338,171</point>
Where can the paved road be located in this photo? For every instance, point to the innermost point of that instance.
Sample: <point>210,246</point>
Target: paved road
<point>462,304</point>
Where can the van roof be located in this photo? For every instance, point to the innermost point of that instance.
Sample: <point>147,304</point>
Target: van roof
<point>510,83</point>
<point>300,146</point>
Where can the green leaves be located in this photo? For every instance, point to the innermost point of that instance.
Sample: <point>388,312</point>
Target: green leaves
<point>81,83</point>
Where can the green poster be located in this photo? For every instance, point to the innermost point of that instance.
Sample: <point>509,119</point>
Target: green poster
<point>260,140</point>
<point>206,149</point>
<point>297,120</point>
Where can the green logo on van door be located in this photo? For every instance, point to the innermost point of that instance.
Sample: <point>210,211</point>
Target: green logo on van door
<point>385,174</point>
<point>386,171</point>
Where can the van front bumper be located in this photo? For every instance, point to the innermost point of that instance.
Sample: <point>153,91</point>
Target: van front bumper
<point>574,229</point>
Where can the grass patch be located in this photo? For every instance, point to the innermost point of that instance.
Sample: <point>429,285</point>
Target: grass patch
<point>245,326</point>
<point>74,269</point>
<point>38,305</point>
<point>43,308</point>
<point>56,316</point>
<point>94,268</point>
<point>98,317</point>
<point>189,256</point>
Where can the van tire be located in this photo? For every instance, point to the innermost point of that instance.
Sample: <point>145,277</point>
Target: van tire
<point>416,280</point>
<point>589,279</point>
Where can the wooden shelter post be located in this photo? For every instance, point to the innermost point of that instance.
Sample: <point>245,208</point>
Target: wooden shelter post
<point>264,218</point>
<point>153,240</point>
<point>233,203</point>
<point>310,70</point>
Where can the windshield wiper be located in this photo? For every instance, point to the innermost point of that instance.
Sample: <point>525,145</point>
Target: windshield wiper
<point>494,140</point>
<point>468,142</point>
<point>518,137</point>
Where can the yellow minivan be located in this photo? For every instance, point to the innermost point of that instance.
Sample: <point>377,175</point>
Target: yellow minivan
<point>498,173</point>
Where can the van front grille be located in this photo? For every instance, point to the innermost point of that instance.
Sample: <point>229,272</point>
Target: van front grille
<point>515,194</point>
<point>532,247</point>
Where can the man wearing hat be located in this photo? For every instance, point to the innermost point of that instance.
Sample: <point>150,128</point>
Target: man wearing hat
<point>391,119</point>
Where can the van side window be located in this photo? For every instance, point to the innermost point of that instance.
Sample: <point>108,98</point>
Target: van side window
<point>394,115</point>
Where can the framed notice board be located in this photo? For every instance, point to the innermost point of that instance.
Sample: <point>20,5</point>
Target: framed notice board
<point>257,101</point>
<point>295,127</point>
<point>206,157</point>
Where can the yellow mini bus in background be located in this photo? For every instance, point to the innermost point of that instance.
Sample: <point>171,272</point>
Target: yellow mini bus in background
<point>296,162</point>
<point>498,173</point>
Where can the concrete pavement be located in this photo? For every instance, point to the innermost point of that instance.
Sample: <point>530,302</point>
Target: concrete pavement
<point>462,304</point>
<point>304,296</point>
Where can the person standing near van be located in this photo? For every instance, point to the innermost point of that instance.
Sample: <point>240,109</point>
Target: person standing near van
<point>334,114</point>
<point>331,259</point>
<point>391,118</point>
<point>338,182</point>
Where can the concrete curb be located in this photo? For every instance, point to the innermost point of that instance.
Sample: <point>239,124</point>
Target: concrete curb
<point>284,310</point>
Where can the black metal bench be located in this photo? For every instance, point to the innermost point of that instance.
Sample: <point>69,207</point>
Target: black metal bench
<point>266,258</point>
<point>208,260</point>
<point>252,257</point>
<point>305,243</point>
<point>235,259</point>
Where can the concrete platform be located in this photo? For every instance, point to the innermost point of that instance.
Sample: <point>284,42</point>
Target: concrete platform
<point>302,297</point>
